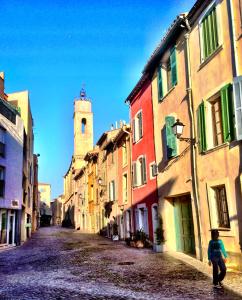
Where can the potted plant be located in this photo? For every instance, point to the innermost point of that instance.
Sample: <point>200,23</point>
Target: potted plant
<point>160,238</point>
<point>141,239</point>
<point>115,236</point>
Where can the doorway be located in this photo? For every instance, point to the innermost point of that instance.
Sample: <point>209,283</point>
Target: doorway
<point>11,228</point>
<point>185,241</point>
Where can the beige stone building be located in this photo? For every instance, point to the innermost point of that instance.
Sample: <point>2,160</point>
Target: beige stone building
<point>21,101</point>
<point>83,142</point>
<point>45,203</point>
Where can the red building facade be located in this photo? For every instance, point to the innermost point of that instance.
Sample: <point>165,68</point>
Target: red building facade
<point>144,169</point>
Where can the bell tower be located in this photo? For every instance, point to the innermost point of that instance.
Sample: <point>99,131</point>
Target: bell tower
<point>83,129</point>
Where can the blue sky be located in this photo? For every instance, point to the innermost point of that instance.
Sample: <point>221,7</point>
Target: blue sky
<point>52,47</point>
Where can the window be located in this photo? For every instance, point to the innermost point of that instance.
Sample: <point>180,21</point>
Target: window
<point>171,143</point>
<point>124,153</point>
<point>141,219</point>
<point>139,171</point>
<point>137,127</point>
<point>209,32</point>
<point>153,170</point>
<point>2,141</point>
<point>237,88</point>
<point>112,190</point>
<point>167,73</point>
<point>2,181</point>
<point>84,123</point>
<point>216,120</point>
<point>222,206</point>
<point>125,188</point>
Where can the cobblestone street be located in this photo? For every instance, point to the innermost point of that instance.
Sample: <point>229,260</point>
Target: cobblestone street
<point>57,263</point>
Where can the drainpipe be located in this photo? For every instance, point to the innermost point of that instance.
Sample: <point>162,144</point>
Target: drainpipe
<point>131,172</point>
<point>234,54</point>
<point>193,143</point>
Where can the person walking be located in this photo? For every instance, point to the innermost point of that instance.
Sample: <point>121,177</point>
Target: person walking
<point>217,257</point>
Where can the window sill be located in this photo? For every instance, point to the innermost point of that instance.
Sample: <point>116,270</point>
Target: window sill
<point>139,186</point>
<point>210,57</point>
<point>224,145</point>
<point>136,142</point>
<point>166,95</point>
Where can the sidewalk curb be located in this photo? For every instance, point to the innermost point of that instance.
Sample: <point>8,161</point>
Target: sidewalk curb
<point>193,262</point>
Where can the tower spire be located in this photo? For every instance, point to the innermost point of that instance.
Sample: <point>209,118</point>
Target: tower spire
<point>83,92</point>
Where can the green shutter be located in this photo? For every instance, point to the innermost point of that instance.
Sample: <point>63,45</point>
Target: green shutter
<point>202,128</point>
<point>210,33</point>
<point>173,66</point>
<point>159,81</point>
<point>171,144</point>
<point>227,113</point>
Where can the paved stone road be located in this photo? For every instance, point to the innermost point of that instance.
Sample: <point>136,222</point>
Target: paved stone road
<point>64,264</point>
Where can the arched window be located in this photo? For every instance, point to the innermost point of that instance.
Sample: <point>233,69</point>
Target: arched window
<point>84,123</point>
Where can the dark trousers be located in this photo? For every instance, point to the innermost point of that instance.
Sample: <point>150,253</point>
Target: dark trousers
<point>218,263</point>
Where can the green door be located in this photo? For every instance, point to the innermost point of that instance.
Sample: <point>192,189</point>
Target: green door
<point>184,225</point>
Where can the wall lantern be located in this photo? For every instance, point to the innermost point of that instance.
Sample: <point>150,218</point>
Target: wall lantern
<point>100,182</point>
<point>177,129</point>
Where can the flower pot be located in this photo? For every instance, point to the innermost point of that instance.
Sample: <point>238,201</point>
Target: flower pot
<point>115,237</point>
<point>139,244</point>
<point>159,248</point>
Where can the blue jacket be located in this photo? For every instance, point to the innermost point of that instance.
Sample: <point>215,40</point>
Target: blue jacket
<point>216,249</point>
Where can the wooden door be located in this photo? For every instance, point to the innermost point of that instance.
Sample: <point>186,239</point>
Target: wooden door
<point>184,225</point>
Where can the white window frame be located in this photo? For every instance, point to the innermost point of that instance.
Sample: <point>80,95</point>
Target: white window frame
<point>112,192</point>
<point>237,97</point>
<point>124,153</point>
<point>125,199</point>
<point>219,27</point>
<point>136,128</point>
<point>150,169</point>
<point>213,212</point>
<point>209,121</point>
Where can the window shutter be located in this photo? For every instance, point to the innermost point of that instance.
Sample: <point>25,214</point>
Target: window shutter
<point>136,219</point>
<point>210,33</point>
<point>227,113</point>
<point>202,128</point>
<point>109,189</point>
<point>171,144</point>
<point>159,81</point>
<point>134,137</point>
<point>146,226</point>
<point>237,89</point>
<point>140,125</point>
<point>114,198</point>
<point>144,175</point>
<point>134,175</point>
<point>173,66</point>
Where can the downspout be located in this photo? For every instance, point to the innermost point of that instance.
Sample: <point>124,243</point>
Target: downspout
<point>131,171</point>
<point>193,142</point>
<point>234,54</point>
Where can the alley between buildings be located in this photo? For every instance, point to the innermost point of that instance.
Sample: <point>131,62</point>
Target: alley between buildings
<point>59,263</point>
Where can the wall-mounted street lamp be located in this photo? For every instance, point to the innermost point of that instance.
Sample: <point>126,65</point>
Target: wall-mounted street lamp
<point>177,129</point>
<point>100,182</point>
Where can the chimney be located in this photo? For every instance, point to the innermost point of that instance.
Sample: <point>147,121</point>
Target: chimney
<point>2,75</point>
